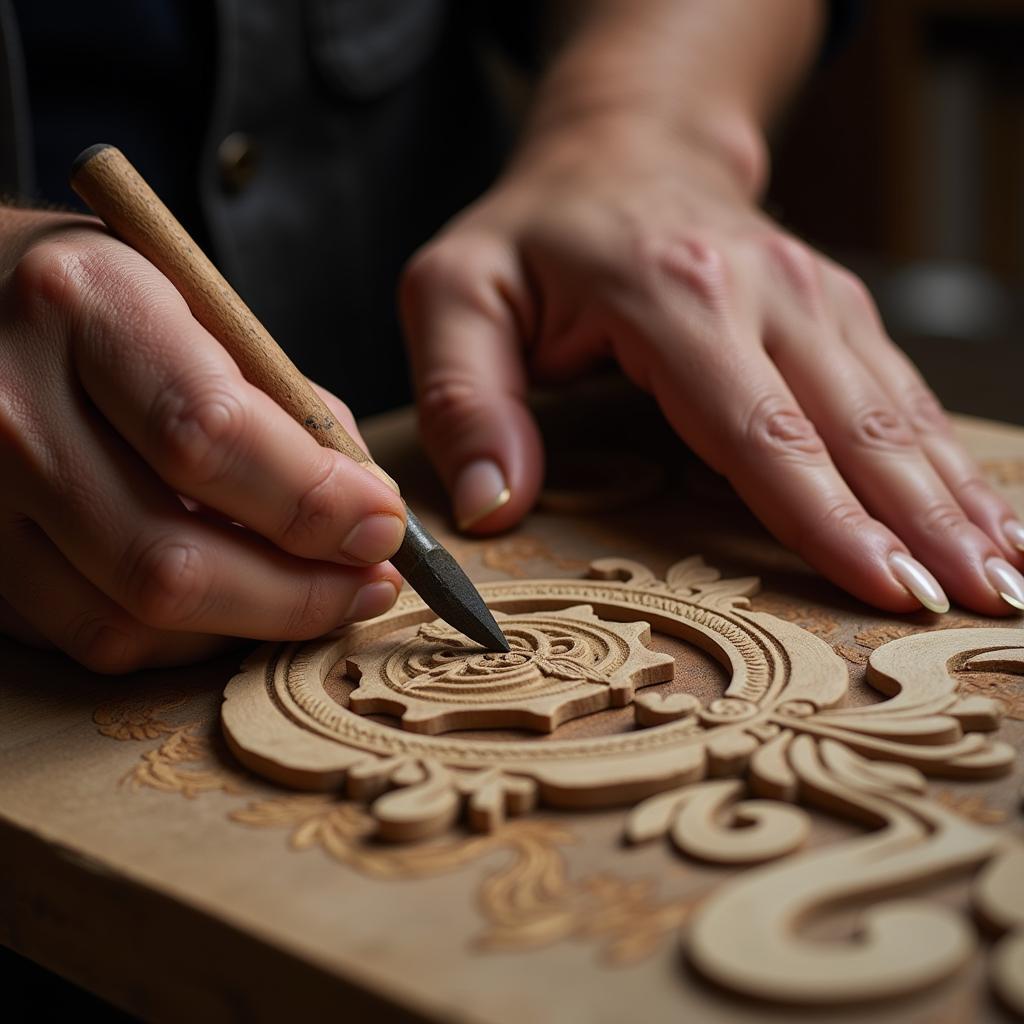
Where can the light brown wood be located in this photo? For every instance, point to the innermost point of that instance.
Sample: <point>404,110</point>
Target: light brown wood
<point>132,842</point>
<point>561,665</point>
<point>778,731</point>
<point>118,194</point>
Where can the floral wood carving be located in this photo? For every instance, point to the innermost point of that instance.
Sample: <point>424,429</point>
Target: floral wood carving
<point>723,780</point>
<point>561,665</point>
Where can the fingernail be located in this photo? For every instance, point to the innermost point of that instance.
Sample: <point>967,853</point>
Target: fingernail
<point>480,488</point>
<point>371,599</point>
<point>1007,582</point>
<point>913,576</point>
<point>1014,530</point>
<point>374,539</point>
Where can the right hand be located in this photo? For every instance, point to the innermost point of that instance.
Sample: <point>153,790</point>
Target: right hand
<point>154,502</point>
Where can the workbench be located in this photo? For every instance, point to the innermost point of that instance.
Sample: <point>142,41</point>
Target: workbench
<point>141,861</point>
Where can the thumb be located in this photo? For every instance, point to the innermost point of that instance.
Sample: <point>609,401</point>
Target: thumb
<point>470,381</point>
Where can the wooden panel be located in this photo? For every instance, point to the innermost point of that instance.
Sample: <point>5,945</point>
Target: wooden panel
<point>137,858</point>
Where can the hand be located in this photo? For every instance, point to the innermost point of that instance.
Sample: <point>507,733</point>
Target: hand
<point>768,359</point>
<point>115,403</point>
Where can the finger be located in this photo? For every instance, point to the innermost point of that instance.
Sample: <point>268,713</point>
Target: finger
<point>177,397</point>
<point>47,601</point>
<point>348,421</point>
<point>465,349</point>
<point>120,527</point>
<point>877,453</point>
<point>863,332</point>
<point>727,400</point>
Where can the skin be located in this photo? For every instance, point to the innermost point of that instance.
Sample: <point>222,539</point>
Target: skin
<point>114,402</point>
<point>156,505</point>
<point>627,226</point>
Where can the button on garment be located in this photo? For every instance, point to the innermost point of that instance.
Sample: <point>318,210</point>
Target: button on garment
<point>237,158</point>
<point>344,134</point>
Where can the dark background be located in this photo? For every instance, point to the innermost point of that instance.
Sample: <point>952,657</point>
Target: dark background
<point>904,159</point>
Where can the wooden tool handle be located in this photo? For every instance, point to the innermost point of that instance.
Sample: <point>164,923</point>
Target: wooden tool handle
<point>119,195</point>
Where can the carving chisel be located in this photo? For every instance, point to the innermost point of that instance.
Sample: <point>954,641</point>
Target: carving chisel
<point>120,197</point>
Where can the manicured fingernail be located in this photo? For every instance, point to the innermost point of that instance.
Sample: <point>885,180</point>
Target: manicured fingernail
<point>480,488</point>
<point>375,538</point>
<point>371,599</point>
<point>1014,530</point>
<point>1007,582</point>
<point>913,576</point>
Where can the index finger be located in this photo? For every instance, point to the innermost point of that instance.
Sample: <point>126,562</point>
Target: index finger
<point>180,401</point>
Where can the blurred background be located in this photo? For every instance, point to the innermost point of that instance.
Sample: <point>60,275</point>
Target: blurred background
<point>904,159</point>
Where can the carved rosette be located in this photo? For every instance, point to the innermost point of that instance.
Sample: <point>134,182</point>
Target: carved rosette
<point>722,781</point>
<point>561,665</point>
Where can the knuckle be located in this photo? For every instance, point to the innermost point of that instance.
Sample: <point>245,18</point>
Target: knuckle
<point>316,509</point>
<point>942,518</point>
<point>442,398</point>
<point>688,263</point>
<point>103,645</point>
<point>926,413</point>
<point>854,292</point>
<point>973,488</point>
<point>843,517</point>
<point>313,614</point>
<point>452,269</point>
<point>776,429</point>
<point>880,429</point>
<point>200,430</point>
<point>798,266</point>
<point>46,277</point>
<point>170,583</point>
<point>446,404</point>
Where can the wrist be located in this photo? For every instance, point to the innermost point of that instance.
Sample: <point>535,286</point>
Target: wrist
<point>728,143</point>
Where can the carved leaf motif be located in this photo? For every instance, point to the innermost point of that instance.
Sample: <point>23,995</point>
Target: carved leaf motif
<point>693,578</point>
<point>690,575</point>
<point>778,733</point>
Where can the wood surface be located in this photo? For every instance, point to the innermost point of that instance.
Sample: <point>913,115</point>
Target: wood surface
<point>140,858</point>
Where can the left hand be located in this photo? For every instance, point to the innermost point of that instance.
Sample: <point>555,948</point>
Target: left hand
<point>618,238</point>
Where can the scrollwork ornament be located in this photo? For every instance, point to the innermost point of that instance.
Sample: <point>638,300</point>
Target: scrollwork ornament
<point>723,782</point>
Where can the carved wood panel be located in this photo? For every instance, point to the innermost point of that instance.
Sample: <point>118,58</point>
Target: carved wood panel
<point>722,779</point>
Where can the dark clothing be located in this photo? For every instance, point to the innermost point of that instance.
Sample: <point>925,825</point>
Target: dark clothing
<point>354,128</point>
<point>309,145</point>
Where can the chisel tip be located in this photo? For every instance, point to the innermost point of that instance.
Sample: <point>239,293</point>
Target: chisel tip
<point>432,572</point>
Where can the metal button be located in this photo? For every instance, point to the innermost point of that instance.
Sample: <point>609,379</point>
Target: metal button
<point>236,157</point>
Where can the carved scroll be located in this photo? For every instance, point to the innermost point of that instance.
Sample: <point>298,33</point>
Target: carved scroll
<point>723,780</point>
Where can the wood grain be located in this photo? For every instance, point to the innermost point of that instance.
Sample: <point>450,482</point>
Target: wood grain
<point>140,859</point>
